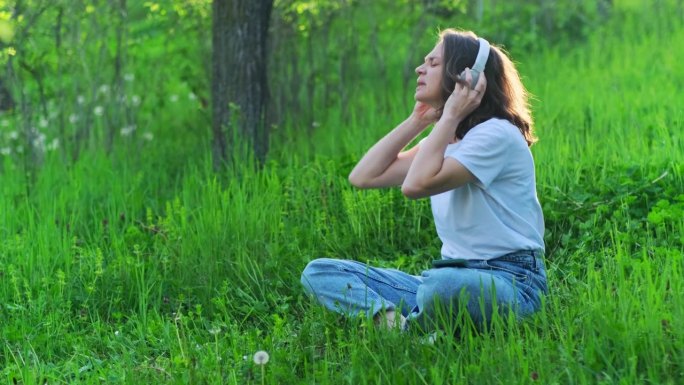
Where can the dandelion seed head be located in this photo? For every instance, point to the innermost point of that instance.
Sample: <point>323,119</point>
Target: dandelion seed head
<point>104,89</point>
<point>80,99</point>
<point>261,357</point>
<point>98,110</point>
<point>129,77</point>
<point>117,333</point>
<point>73,118</point>
<point>135,100</point>
<point>13,135</point>
<point>128,130</point>
<point>5,151</point>
<point>148,136</point>
<point>192,96</point>
<point>215,330</point>
<point>39,142</point>
<point>43,123</point>
<point>5,123</point>
<point>173,98</point>
<point>53,145</point>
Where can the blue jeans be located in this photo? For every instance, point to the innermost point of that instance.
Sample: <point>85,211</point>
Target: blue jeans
<point>514,282</point>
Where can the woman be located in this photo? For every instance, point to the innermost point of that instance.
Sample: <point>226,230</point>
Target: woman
<point>477,168</point>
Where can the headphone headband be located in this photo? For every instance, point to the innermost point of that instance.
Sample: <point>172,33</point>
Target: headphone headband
<point>482,56</point>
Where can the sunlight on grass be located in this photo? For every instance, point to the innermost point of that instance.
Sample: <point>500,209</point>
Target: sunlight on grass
<point>116,271</point>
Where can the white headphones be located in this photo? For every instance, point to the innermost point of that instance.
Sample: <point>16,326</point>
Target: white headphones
<point>480,62</point>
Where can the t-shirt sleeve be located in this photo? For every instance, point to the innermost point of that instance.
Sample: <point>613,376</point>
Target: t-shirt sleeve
<point>483,151</point>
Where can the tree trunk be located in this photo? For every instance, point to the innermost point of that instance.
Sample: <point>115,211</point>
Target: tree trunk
<point>239,84</point>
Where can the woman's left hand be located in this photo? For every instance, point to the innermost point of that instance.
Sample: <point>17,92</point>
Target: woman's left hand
<point>465,99</point>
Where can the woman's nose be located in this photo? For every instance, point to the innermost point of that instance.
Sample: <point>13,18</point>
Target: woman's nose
<point>419,69</point>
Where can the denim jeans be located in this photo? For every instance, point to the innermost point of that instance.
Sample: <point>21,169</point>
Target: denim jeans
<point>514,282</point>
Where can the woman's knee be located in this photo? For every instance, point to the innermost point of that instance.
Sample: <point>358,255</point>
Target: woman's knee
<point>317,271</point>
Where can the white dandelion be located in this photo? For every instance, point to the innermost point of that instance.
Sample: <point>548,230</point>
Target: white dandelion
<point>104,89</point>
<point>80,99</point>
<point>173,98</point>
<point>98,110</point>
<point>148,136</point>
<point>128,130</point>
<point>73,118</point>
<point>43,123</point>
<point>5,151</point>
<point>261,357</point>
<point>39,142</point>
<point>53,145</point>
<point>5,123</point>
<point>192,96</point>
<point>135,100</point>
<point>129,77</point>
<point>13,135</point>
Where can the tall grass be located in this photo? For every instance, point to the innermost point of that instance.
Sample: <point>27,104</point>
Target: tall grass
<point>114,270</point>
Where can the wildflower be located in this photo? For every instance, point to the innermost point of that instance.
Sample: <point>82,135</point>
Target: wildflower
<point>43,123</point>
<point>98,110</point>
<point>128,130</point>
<point>148,136</point>
<point>39,142</point>
<point>5,151</point>
<point>173,98</point>
<point>73,118</point>
<point>104,89</point>
<point>129,77</point>
<point>5,123</point>
<point>20,149</point>
<point>215,330</point>
<point>80,99</point>
<point>135,100</point>
<point>315,124</point>
<point>192,96</point>
<point>117,333</point>
<point>53,145</point>
<point>261,357</point>
<point>13,135</point>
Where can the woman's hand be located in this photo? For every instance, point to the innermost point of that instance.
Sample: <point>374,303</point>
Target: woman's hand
<point>425,114</point>
<point>465,100</point>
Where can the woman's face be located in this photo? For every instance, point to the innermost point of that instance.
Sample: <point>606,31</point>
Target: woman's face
<point>429,87</point>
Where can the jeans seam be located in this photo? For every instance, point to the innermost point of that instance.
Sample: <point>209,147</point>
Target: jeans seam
<point>398,287</point>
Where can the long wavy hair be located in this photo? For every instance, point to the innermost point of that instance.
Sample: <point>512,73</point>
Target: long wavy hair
<point>505,96</point>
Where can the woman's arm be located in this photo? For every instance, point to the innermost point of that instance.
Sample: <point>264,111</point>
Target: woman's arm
<point>385,165</point>
<point>430,172</point>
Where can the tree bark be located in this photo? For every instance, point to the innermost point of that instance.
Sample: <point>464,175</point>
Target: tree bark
<point>239,76</point>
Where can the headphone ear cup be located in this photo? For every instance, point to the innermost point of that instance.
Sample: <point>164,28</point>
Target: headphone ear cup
<point>474,74</point>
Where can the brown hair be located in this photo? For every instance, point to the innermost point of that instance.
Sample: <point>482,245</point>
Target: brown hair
<point>505,96</point>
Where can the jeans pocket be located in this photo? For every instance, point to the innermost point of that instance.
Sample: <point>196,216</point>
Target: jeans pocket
<point>519,273</point>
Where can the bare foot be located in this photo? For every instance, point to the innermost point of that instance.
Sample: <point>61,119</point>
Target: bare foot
<point>388,320</point>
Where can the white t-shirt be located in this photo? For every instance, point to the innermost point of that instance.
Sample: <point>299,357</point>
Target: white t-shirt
<point>499,213</point>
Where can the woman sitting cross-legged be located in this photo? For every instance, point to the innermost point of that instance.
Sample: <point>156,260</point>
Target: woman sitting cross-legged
<point>477,169</point>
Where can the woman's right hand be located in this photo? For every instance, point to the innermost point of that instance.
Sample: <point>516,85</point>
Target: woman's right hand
<point>425,114</point>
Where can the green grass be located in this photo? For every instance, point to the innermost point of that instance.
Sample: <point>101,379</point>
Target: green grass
<point>123,269</point>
